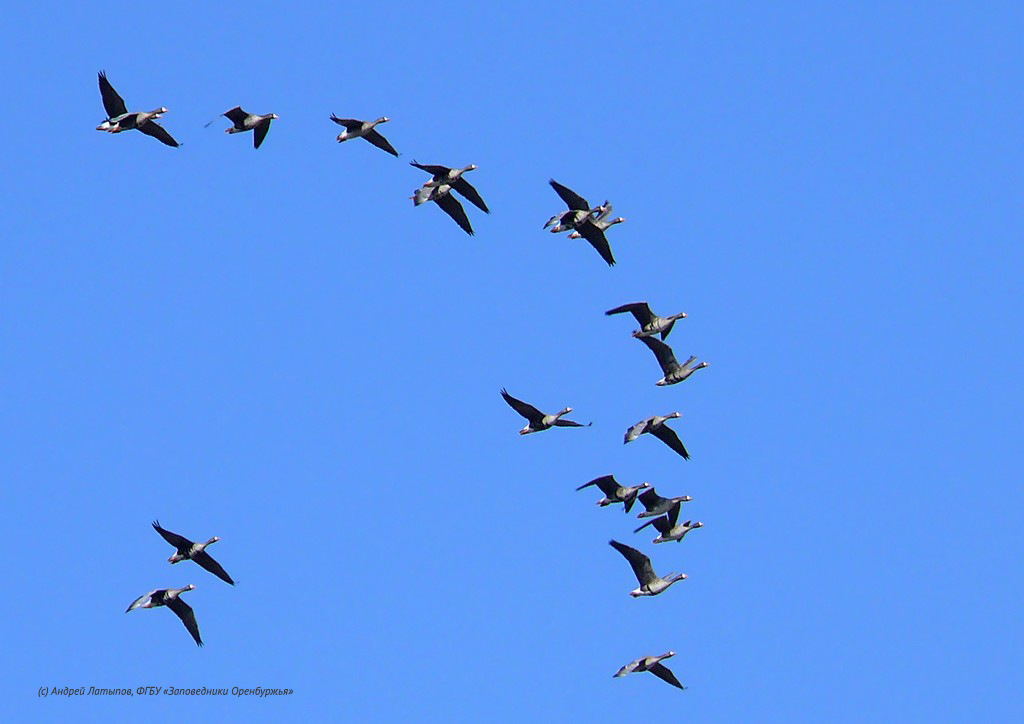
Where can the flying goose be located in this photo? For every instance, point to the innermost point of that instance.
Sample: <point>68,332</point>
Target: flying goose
<point>656,426</point>
<point>656,505</point>
<point>651,584</point>
<point>538,420</point>
<point>673,371</point>
<point>170,597</point>
<point>650,323</point>
<point>579,209</point>
<point>667,527</point>
<point>187,550</point>
<point>654,665</point>
<point>593,231</point>
<point>243,121</point>
<point>615,493</point>
<point>119,119</point>
<point>364,129</point>
<point>453,178</point>
<point>442,196</point>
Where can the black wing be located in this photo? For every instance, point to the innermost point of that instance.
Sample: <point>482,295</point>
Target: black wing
<point>664,674</point>
<point>527,410</point>
<point>597,239</point>
<point>560,422</point>
<point>178,541</point>
<point>672,516</point>
<point>113,103</point>
<point>472,196</point>
<point>640,563</point>
<point>206,561</point>
<point>236,115</point>
<point>451,206</point>
<point>431,168</point>
<point>668,436</point>
<point>151,128</point>
<point>187,616</point>
<point>380,142</point>
<point>572,199</point>
<point>260,132</point>
<point>651,499</point>
<point>640,310</point>
<point>350,123</point>
<point>606,483</point>
<point>666,358</point>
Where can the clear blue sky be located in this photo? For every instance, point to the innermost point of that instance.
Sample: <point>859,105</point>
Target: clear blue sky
<point>277,348</point>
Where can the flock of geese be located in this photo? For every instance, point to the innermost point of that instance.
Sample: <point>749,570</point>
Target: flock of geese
<point>582,221</point>
<point>664,512</point>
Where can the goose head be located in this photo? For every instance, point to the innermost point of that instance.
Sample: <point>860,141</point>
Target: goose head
<point>702,365</point>
<point>643,485</point>
<point>382,119</point>
<point>681,315</point>
<point>470,167</point>
<point>696,524</point>
<point>685,499</point>
<point>672,415</point>
<point>565,411</point>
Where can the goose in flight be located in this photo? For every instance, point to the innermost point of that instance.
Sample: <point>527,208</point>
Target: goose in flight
<point>656,505</point>
<point>170,597</point>
<point>667,527</point>
<point>672,370</point>
<point>654,665</point>
<point>615,493</point>
<point>364,129</point>
<point>119,119</point>
<point>442,196</point>
<point>190,551</point>
<point>453,177</point>
<point>650,323</point>
<point>579,209</point>
<point>656,426</point>
<point>592,229</point>
<point>538,420</point>
<point>651,584</point>
<point>259,125</point>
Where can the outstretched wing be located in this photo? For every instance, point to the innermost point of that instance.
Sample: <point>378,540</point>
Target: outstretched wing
<point>606,483</point>
<point>187,616</point>
<point>668,436</point>
<point>640,311</point>
<point>572,199</point>
<point>527,410</point>
<point>666,357</point>
<point>178,541</point>
<point>561,422</point>
<point>672,516</point>
<point>113,103</point>
<point>640,563</point>
<point>144,599</point>
<point>651,499</point>
<point>472,196</point>
<point>635,431</point>
<point>597,239</point>
<point>451,206</point>
<point>206,561</point>
<point>151,128</point>
<point>260,132</point>
<point>664,674</point>
<point>236,115</point>
<point>380,142</point>
<point>350,123</point>
<point>628,668</point>
<point>431,168</point>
